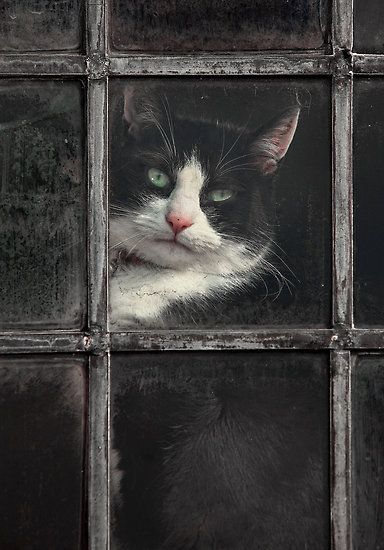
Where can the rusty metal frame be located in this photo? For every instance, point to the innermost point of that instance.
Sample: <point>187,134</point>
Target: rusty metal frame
<point>96,65</point>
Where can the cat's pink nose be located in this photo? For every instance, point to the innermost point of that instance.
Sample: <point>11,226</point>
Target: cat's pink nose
<point>177,222</point>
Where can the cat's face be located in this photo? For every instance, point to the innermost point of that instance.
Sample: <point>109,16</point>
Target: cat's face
<point>190,191</point>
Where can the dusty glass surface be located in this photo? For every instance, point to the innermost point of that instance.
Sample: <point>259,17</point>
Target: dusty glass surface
<point>189,25</point>
<point>33,25</point>
<point>368,452</point>
<point>43,205</point>
<point>368,167</point>
<point>368,26</point>
<point>42,409</point>
<point>227,449</point>
<point>220,194</point>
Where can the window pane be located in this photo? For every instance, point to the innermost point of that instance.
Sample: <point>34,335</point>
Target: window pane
<point>230,449</point>
<point>369,201</point>
<point>369,26</point>
<point>43,205</point>
<point>42,410</point>
<point>220,195</point>
<point>368,452</point>
<point>218,25</point>
<point>32,25</point>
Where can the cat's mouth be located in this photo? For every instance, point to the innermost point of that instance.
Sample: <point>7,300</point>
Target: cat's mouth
<point>173,243</point>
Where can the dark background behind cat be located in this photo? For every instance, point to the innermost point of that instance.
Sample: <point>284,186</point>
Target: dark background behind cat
<point>301,192</point>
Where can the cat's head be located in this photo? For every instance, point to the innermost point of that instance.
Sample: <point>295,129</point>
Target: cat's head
<point>188,191</point>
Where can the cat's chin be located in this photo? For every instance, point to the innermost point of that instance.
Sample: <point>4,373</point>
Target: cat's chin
<point>167,254</point>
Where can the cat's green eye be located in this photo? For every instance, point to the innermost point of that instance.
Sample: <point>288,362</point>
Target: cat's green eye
<point>158,178</point>
<point>220,195</point>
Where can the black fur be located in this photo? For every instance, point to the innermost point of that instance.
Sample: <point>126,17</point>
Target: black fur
<point>229,457</point>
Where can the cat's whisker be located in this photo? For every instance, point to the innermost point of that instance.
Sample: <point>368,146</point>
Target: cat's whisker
<point>170,124</point>
<point>245,168</point>
<point>222,148</point>
<point>129,238</point>
<point>236,140</point>
<point>163,134</point>
<point>284,263</point>
<point>276,273</point>
<point>268,236</point>
<point>136,244</point>
<point>231,161</point>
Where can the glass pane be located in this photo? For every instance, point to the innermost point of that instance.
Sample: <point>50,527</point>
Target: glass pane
<point>220,193</point>
<point>368,452</point>
<point>32,25</point>
<point>43,205</point>
<point>42,410</point>
<point>369,26</point>
<point>217,25</point>
<point>227,449</point>
<point>369,201</point>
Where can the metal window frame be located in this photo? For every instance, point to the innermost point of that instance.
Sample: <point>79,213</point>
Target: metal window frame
<point>96,66</point>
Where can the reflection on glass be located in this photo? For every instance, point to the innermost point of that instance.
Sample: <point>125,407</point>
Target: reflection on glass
<point>42,207</point>
<point>368,169</point>
<point>42,410</point>
<point>220,203</point>
<point>217,25</point>
<point>227,449</point>
<point>368,452</point>
<point>32,25</point>
<point>369,26</point>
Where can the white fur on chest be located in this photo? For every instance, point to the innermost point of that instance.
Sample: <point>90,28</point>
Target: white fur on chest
<point>142,294</point>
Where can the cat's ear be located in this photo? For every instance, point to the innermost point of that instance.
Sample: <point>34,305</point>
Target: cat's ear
<point>140,109</point>
<point>272,144</point>
<point>130,110</point>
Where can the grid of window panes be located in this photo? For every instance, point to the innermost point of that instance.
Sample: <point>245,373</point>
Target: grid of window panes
<point>192,337</point>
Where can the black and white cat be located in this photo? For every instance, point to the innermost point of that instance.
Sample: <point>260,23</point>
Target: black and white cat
<point>189,222</point>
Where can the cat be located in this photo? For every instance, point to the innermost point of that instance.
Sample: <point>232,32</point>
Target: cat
<point>189,221</point>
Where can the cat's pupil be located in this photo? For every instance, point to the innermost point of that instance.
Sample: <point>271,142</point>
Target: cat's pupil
<point>158,178</point>
<point>220,195</point>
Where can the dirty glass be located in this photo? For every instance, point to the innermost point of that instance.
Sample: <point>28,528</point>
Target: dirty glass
<point>369,26</point>
<point>227,449</point>
<point>33,25</point>
<point>219,25</point>
<point>220,202</point>
<point>42,207</point>
<point>368,167</point>
<point>42,410</point>
<point>368,452</point>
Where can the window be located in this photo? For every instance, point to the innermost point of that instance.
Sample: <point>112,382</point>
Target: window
<point>198,376</point>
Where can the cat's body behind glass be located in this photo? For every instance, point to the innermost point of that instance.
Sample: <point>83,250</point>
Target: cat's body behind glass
<point>191,215</point>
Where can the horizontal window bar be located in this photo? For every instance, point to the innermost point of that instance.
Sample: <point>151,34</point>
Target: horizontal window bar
<point>42,65</point>
<point>52,64</point>
<point>58,64</point>
<point>189,340</point>
<point>368,64</point>
<point>44,343</point>
<point>217,65</point>
<point>225,340</point>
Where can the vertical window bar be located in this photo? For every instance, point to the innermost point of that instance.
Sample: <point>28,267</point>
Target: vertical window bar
<point>342,198</point>
<point>342,37</point>
<point>96,35</point>
<point>341,450</point>
<point>97,208</point>
<point>342,274</point>
<point>342,25</point>
<point>98,415</point>
<point>98,440</point>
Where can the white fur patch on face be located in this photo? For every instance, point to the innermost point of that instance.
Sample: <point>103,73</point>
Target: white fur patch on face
<point>185,198</point>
